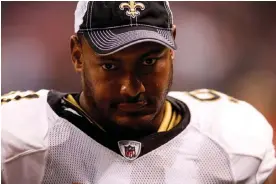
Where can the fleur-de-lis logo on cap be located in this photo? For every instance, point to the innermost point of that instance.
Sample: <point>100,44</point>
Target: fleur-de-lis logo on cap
<point>132,8</point>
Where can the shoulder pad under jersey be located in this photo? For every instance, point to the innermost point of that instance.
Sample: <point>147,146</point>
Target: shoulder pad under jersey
<point>234,124</point>
<point>24,122</point>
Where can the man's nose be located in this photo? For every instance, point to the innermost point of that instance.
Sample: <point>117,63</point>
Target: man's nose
<point>131,86</point>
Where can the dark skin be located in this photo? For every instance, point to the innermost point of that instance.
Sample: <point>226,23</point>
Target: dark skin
<point>124,91</point>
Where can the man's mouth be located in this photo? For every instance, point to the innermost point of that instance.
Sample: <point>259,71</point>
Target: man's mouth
<point>132,107</point>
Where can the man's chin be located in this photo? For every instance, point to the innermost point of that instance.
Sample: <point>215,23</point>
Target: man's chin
<point>134,121</point>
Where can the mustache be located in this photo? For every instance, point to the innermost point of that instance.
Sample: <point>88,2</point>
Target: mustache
<point>136,99</point>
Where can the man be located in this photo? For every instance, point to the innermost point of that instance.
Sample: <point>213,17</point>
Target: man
<point>125,126</point>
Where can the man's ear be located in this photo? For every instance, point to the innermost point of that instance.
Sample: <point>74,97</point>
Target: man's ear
<point>174,31</point>
<point>172,53</point>
<point>76,53</point>
<point>174,35</point>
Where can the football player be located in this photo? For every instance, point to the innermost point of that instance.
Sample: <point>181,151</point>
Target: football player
<point>126,126</point>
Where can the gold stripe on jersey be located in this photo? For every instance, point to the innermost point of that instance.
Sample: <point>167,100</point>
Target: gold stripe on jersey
<point>167,116</point>
<point>172,121</point>
<point>71,99</point>
<point>178,119</point>
<point>171,118</point>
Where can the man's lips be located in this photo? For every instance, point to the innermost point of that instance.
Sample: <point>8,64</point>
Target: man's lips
<point>132,107</point>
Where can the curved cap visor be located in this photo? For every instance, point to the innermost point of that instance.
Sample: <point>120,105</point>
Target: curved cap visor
<point>109,41</point>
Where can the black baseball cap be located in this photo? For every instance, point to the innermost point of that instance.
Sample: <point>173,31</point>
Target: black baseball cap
<point>110,26</point>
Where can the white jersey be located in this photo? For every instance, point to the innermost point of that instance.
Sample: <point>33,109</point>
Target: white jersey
<point>224,142</point>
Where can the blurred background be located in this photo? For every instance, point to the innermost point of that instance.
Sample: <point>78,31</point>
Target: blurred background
<point>226,46</point>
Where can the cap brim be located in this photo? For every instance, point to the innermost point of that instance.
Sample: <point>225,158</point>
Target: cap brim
<point>109,41</point>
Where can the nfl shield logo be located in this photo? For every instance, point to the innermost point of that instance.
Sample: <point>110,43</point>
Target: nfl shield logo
<point>130,149</point>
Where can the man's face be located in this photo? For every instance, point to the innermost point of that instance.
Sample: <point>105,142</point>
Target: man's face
<point>129,87</point>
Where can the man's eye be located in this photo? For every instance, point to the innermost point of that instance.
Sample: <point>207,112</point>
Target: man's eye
<point>149,61</point>
<point>108,66</point>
